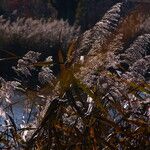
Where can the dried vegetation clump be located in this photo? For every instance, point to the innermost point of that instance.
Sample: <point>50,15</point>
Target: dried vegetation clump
<point>101,98</point>
<point>34,34</point>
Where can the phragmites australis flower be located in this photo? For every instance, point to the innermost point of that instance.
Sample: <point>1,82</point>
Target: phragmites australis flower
<point>26,64</point>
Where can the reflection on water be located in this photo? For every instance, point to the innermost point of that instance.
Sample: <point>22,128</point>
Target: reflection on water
<point>20,110</point>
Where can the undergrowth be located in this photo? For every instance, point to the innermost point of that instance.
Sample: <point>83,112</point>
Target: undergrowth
<point>99,100</point>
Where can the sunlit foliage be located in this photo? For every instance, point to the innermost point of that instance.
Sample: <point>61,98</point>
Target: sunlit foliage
<point>99,100</point>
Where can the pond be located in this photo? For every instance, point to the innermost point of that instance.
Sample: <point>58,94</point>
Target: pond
<point>19,110</point>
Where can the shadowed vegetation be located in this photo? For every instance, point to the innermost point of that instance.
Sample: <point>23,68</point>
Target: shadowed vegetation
<point>99,100</point>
